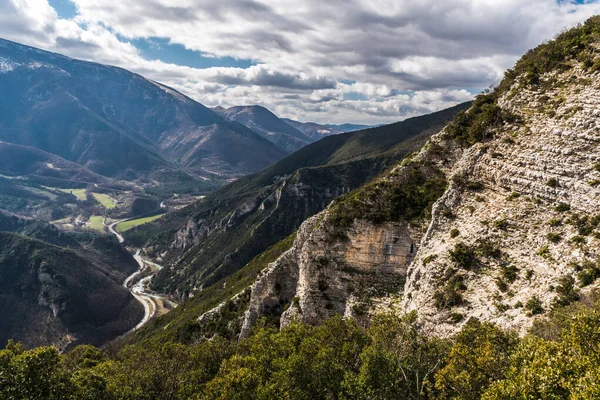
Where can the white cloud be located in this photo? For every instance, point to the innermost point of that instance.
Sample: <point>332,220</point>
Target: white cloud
<point>405,56</point>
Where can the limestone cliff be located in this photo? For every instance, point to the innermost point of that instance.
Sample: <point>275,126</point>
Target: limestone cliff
<point>495,218</point>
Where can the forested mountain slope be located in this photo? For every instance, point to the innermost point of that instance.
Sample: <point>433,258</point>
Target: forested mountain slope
<point>220,234</point>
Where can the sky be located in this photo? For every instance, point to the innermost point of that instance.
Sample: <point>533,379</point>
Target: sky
<point>334,61</point>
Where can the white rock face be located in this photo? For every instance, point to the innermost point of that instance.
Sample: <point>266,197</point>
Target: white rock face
<point>509,219</point>
<point>526,171</point>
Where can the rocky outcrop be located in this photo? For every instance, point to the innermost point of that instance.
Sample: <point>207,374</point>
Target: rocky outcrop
<point>535,199</point>
<point>513,235</point>
<point>321,276</point>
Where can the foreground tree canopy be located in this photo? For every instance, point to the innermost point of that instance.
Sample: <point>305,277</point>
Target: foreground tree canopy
<point>391,359</point>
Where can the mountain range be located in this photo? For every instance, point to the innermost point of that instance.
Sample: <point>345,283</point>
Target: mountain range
<point>117,123</point>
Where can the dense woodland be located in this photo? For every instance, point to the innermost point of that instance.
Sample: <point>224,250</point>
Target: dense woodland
<point>391,359</point>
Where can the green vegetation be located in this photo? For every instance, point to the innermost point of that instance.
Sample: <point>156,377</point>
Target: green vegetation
<point>80,194</point>
<point>463,256</point>
<point>132,223</point>
<point>552,182</point>
<point>588,272</point>
<point>105,200</point>
<point>96,223</point>
<point>566,291</point>
<point>337,360</point>
<point>534,306</point>
<point>408,196</point>
<point>554,237</point>
<point>501,224</point>
<point>562,207</point>
<point>476,124</point>
<point>450,295</point>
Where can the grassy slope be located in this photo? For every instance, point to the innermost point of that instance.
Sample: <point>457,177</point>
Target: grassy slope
<point>79,193</point>
<point>106,201</point>
<point>127,225</point>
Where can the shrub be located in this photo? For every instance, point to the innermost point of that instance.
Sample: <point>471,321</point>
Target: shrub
<point>529,274</point>
<point>476,124</point>
<point>545,252</point>
<point>534,306</point>
<point>447,298</point>
<point>463,256</point>
<point>589,272</point>
<point>456,317</point>
<point>578,240</point>
<point>487,248</point>
<point>552,182</point>
<point>450,295</point>
<point>501,284</point>
<point>454,233</point>
<point>562,207</point>
<point>501,224</point>
<point>429,259</point>
<point>475,186</point>
<point>554,222</point>
<point>554,237</point>
<point>509,273</point>
<point>566,291</point>
<point>513,195</point>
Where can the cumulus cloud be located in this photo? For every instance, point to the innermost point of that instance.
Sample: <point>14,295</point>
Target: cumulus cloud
<point>366,61</point>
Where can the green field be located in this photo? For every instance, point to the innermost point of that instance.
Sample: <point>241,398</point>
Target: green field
<point>127,225</point>
<point>96,223</point>
<point>79,193</point>
<point>106,201</point>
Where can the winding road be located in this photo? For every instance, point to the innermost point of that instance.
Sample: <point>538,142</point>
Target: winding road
<point>151,302</point>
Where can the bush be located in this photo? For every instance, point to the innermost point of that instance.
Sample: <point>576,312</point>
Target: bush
<point>501,224</point>
<point>552,182</point>
<point>513,195</point>
<point>554,237</point>
<point>554,222</point>
<point>534,306</point>
<point>588,273</point>
<point>567,293</point>
<point>562,207</point>
<point>509,273</point>
<point>454,233</point>
<point>487,248</point>
<point>450,295</point>
<point>476,124</point>
<point>463,256</point>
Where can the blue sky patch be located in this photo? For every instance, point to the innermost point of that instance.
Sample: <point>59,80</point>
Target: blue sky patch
<point>64,8</point>
<point>160,49</point>
<point>355,96</point>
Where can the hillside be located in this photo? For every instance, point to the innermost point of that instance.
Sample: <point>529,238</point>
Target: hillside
<point>316,131</point>
<point>267,124</point>
<point>220,234</point>
<point>495,218</point>
<point>116,123</point>
<point>62,289</point>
